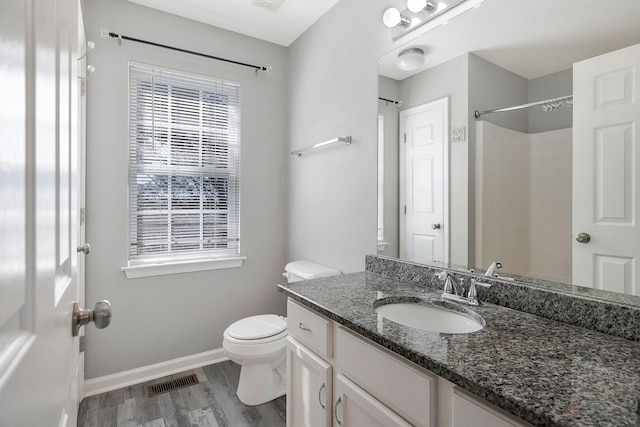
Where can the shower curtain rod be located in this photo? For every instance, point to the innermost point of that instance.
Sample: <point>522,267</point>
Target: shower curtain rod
<point>217,58</point>
<point>566,100</point>
<point>398,103</point>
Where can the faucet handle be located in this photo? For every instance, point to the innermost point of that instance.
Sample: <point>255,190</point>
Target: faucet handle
<point>483,284</point>
<point>472,295</point>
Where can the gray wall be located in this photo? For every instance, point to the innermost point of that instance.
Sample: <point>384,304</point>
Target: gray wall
<point>333,92</point>
<point>551,86</point>
<point>448,80</point>
<point>165,317</point>
<point>491,87</point>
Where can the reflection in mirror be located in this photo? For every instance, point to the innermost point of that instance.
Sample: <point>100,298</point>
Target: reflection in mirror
<point>519,190</point>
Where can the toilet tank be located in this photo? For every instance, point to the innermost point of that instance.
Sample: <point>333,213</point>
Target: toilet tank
<point>305,270</point>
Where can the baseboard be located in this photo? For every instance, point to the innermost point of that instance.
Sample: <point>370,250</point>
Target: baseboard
<point>111,382</point>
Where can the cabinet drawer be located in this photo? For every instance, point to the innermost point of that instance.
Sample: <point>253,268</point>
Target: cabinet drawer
<point>309,328</point>
<point>406,390</point>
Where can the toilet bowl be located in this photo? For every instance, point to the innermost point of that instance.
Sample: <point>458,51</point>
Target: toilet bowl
<point>258,344</point>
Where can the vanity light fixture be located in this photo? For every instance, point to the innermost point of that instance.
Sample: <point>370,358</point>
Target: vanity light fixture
<point>419,12</point>
<point>392,17</point>
<point>410,59</point>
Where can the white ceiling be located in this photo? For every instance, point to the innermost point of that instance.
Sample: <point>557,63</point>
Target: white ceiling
<point>282,27</point>
<point>530,38</point>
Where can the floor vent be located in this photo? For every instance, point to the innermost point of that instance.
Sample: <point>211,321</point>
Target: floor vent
<point>172,385</point>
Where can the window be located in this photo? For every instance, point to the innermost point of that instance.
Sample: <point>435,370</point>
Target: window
<point>184,161</point>
<point>380,178</point>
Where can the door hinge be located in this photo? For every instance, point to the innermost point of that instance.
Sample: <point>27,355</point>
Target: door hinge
<point>405,209</point>
<point>405,138</point>
<point>81,343</point>
<point>82,216</point>
<point>83,87</point>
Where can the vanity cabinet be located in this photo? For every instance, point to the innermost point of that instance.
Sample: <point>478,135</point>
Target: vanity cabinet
<point>338,378</point>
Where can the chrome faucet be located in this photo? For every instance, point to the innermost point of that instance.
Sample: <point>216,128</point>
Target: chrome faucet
<point>495,265</point>
<point>454,293</point>
<point>450,285</point>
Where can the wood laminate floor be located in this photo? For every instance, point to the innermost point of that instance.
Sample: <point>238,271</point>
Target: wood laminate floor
<point>212,402</point>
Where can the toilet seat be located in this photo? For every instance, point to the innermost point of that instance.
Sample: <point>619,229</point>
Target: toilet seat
<point>257,329</point>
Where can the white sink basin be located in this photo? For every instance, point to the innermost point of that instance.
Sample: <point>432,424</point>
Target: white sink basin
<point>430,318</point>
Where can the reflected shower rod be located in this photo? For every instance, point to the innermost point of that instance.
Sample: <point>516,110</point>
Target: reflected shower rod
<point>553,103</point>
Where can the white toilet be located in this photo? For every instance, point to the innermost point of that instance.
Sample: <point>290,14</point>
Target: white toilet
<point>258,343</point>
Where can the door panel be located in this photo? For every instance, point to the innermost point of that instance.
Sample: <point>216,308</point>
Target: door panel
<point>605,163</point>
<point>38,79</point>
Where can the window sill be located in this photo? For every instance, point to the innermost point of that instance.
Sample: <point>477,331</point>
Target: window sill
<point>176,267</point>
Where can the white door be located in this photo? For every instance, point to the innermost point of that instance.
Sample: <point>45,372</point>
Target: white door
<point>424,224</point>
<point>38,213</point>
<point>606,164</point>
<point>81,188</point>
<point>354,407</point>
<point>309,388</point>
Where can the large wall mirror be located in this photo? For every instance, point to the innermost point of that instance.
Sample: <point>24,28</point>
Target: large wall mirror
<point>516,184</point>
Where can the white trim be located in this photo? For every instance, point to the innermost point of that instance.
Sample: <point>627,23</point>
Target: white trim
<point>111,382</point>
<point>186,266</point>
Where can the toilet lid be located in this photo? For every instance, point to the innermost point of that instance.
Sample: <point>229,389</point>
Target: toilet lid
<point>256,327</point>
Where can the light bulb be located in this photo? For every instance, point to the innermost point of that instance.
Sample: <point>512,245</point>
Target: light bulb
<point>416,6</point>
<point>391,17</point>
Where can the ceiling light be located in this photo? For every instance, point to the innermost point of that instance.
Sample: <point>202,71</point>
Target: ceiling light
<point>392,17</point>
<point>410,59</point>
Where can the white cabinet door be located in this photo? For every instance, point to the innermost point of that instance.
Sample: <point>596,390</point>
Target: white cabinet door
<point>472,412</point>
<point>309,388</point>
<point>354,407</point>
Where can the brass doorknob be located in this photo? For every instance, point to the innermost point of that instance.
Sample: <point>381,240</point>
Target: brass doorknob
<point>583,238</point>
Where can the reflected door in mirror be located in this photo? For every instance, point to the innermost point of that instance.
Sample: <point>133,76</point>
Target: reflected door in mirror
<point>606,200</point>
<point>423,185</point>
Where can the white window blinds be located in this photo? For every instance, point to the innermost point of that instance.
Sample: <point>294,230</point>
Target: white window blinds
<point>184,161</point>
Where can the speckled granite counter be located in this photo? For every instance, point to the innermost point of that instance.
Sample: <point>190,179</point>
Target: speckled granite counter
<point>546,372</point>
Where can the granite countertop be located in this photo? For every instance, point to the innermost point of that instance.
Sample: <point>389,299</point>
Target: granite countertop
<point>546,372</point>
